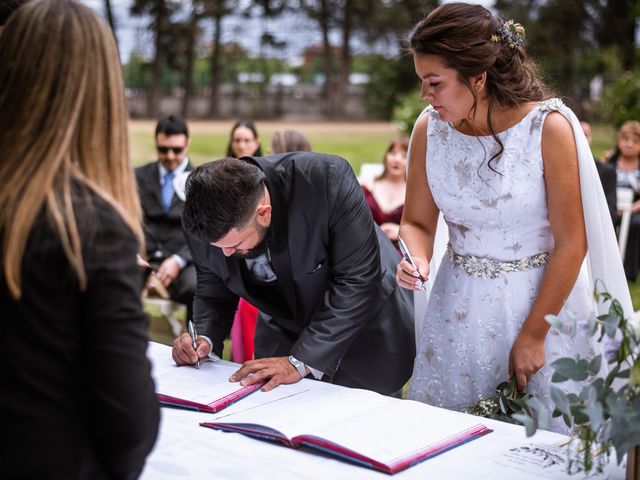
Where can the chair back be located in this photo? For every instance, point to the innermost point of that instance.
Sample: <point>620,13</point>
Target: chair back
<point>624,204</point>
<point>369,171</point>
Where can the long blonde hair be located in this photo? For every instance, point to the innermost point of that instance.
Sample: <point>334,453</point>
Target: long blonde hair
<point>63,119</point>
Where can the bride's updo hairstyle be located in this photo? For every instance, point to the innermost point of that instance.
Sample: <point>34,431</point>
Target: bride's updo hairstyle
<point>470,40</point>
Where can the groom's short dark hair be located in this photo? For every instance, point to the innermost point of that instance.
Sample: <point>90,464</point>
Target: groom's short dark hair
<point>221,195</point>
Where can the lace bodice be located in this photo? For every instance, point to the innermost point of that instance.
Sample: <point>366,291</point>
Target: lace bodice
<point>500,214</point>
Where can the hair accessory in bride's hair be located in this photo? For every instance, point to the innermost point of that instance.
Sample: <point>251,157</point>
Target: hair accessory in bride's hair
<point>510,33</point>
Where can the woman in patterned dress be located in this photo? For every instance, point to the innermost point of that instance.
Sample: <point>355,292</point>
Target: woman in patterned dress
<point>504,167</point>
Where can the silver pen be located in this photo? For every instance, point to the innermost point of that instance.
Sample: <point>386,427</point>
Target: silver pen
<point>194,335</point>
<point>408,258</point>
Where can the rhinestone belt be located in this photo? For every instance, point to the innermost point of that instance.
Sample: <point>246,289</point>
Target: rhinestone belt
<point>491,268</point>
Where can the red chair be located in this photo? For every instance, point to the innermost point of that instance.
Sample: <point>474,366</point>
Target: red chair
<point>243,331</point>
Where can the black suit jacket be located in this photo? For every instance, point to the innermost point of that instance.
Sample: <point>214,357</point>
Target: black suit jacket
<point>336,270</point>
<point>607,174</point>
<point>76,396</point>
<point>163,232</point>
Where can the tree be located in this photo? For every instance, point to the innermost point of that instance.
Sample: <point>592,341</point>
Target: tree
<point>322,11</point>
<point>617,28</point>
<point>392,79</point>
<point>160,12</point>
<point>267,9</point>
<point>181,54</point>
<point>216,10</point>
<point>559,34</point>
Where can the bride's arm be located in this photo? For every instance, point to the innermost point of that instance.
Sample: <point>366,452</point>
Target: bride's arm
<point>420,216</point>
<point>564,205</point>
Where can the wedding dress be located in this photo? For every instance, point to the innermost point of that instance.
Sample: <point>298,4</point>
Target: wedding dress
<point>499,240</point>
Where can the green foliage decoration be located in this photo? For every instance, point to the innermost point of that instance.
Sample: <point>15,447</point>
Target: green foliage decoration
<point>605,414</point>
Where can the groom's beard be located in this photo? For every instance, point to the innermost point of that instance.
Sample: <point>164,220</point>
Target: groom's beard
<point>262,246</point>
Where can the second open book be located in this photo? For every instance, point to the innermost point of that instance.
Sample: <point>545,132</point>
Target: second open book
<point>364,427</point>
<point>360,426</point>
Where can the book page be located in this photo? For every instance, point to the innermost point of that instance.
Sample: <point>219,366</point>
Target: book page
<point>188,383</point>
<point>204,385</point>
<point>311,410</point>
<point>396,431</point>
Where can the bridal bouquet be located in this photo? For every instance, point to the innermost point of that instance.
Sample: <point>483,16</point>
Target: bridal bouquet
<point>506,403</point>
<point>605,414</point>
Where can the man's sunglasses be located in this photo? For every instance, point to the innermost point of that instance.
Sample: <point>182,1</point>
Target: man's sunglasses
<point>164,150</point>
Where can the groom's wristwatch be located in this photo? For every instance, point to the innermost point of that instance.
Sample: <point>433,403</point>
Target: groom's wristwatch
<point>298,365</point>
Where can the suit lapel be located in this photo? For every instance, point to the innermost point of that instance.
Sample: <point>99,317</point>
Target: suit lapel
<point>280,249</point>
<point>156,188</point>
<point>234,280</point>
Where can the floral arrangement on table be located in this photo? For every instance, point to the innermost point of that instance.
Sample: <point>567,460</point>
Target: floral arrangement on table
<point>605,413</point>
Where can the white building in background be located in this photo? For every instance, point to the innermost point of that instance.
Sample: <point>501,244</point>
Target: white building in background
<point>284,79</point>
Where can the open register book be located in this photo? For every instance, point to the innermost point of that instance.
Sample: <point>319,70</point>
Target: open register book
<point>206,389</point>
<point>366,428</point>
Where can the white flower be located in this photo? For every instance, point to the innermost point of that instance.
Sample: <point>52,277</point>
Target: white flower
<point>551,105</point>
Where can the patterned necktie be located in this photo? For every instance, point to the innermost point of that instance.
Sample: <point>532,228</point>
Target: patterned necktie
<point>167,191</point>
<point>261,269</point>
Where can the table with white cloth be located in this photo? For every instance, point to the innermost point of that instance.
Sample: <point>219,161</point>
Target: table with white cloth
<point>185,450</point>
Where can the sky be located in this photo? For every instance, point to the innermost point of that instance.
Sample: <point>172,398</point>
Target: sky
<point>299,32</point>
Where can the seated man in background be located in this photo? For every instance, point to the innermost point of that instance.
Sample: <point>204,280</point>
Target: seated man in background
<point>162,208</point>
<point>292,234</point>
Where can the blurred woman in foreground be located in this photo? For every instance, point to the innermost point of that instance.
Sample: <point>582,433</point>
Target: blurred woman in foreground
<point>76,397</point>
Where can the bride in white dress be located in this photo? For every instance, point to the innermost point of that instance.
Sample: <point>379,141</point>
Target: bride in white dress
<point>517,187</point>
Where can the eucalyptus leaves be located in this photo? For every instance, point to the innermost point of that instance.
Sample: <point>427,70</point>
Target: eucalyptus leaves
<point>606,412</point>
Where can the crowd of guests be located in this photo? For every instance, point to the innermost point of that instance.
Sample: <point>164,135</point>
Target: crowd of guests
<point>289,246</point>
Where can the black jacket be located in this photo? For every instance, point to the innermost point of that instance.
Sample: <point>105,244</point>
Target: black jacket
<point>76,396</point>
<point>607,174</point>
<point>163,232</point>
<point>336,270</point>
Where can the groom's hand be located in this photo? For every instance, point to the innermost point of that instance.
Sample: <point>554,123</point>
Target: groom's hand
<point>273,370</point>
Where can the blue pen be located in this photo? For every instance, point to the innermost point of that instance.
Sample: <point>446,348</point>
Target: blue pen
<point>194,335</point>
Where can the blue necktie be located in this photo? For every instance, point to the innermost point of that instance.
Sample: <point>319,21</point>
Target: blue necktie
<point>167,191</point>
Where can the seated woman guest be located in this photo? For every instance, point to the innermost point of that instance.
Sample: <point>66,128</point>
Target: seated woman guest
<point>289,141</point>
<point>626,159</point>
<point>76,396</point>
<point>244,140</point>
<point>385,194</point>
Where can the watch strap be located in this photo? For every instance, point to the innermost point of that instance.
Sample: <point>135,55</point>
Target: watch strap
<point>298,365</point>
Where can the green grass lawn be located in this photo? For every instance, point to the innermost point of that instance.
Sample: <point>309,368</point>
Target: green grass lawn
<point>357,142</point>
<point>604,138</point>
